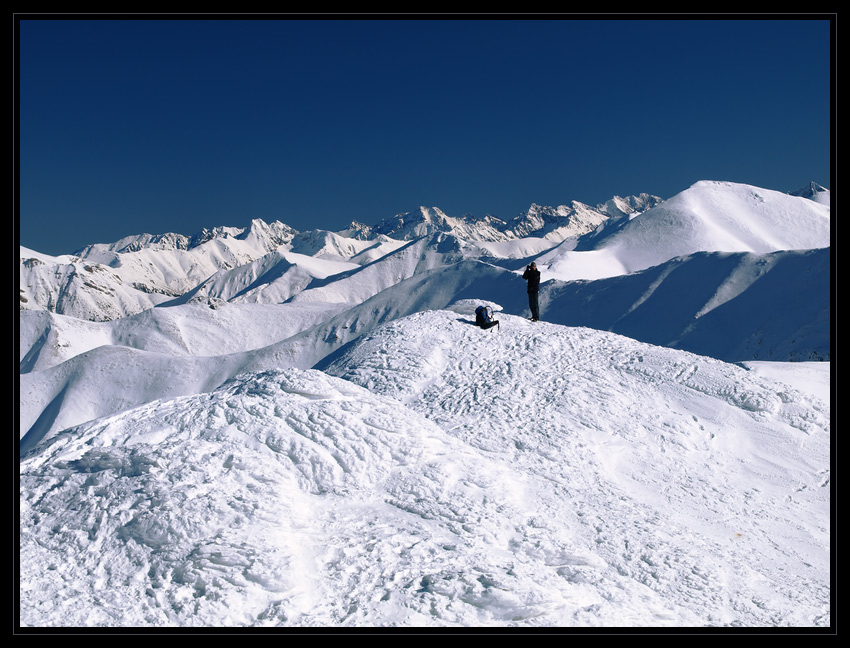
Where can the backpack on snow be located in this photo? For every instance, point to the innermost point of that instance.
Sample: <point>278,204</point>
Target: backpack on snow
<point>484,317</point>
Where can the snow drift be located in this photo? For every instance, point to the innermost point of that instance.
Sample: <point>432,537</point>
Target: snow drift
<point>438,475</point>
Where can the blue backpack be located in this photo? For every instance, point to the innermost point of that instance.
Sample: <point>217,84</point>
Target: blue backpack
<point>484,317</point>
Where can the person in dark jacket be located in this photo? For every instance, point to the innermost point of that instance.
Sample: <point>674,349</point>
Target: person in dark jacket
<point>532,276</point>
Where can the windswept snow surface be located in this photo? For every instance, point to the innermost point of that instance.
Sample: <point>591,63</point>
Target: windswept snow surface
<point>436,475</point>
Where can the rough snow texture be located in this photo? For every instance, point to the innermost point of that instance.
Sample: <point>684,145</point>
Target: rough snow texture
<point>438,475</point>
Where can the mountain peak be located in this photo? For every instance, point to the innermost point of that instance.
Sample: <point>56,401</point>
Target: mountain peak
<point>809,190</point>
<point>268,236</point>
<point>813,191</point>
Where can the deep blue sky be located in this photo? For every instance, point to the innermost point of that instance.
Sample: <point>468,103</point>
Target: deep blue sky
<point>132,126</point>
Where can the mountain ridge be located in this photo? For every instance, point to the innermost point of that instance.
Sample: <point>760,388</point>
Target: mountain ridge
<point>320,436</point>
<point>107,281</point>
<point>330,273</point>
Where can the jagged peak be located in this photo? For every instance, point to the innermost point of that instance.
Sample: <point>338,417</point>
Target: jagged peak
<point>539,220</point>
<point>811,189</point>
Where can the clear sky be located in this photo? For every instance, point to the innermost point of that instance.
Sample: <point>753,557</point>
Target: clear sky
<point>151,126</point>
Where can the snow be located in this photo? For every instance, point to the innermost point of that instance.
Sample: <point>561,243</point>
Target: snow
<point>733,306</point>
<point>438,475</point>
<point>360,455</point>
<point>810,377</point>
<point>707,217</point>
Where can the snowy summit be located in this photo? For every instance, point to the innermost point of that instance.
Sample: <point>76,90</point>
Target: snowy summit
<point>279,429</point>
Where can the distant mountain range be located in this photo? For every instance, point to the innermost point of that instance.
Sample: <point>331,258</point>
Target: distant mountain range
<point>708,246</point>
<point>105,281</point>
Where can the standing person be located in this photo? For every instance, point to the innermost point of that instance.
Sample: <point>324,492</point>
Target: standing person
<point>532,276</point>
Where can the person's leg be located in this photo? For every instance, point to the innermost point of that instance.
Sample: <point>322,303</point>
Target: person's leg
<point>533,305</point>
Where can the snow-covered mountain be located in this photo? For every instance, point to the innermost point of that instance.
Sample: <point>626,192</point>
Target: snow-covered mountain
<point>728,305</point>
<point>107,281</point>
<point>265,427</point>
<point>436,475</point>
<point>550,223</point>
<point>707,217</point>
<point>103,282</point>
<point>814,191</point>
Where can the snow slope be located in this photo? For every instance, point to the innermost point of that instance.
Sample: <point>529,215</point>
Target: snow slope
<point>87,291</point>
<point>272,279</point>
<point>207,327</point>
<point>224,341</point>
<point>734,307</point>
<point>436,475</point>
<point>731,306</point>
<point>707,217</point>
